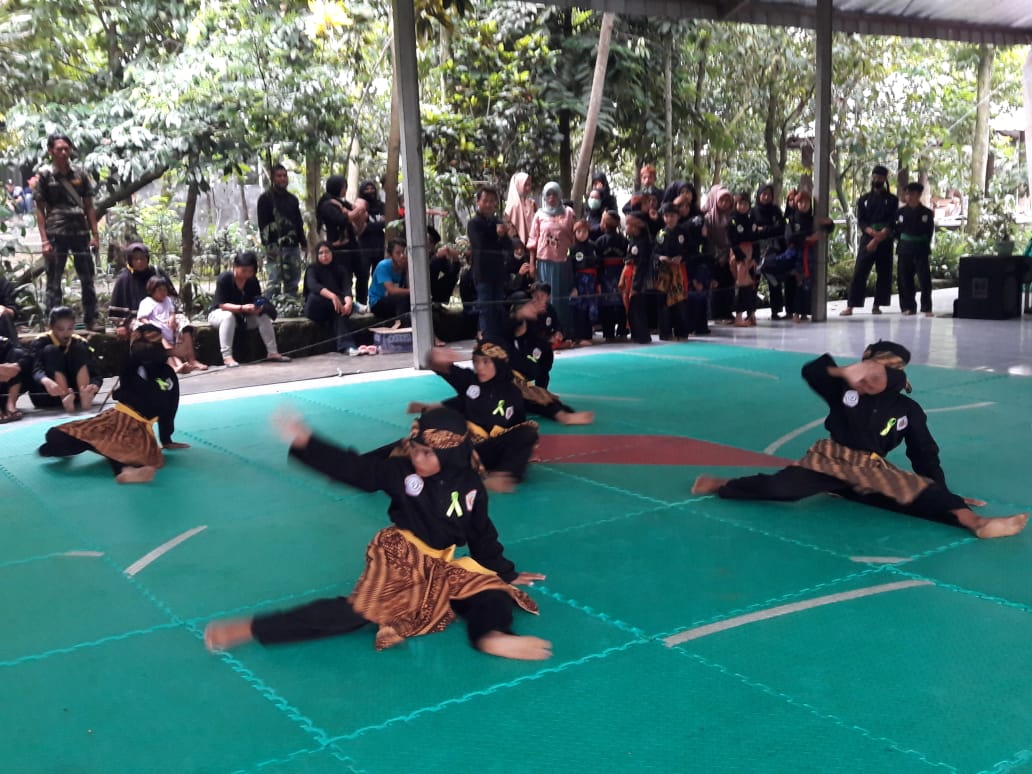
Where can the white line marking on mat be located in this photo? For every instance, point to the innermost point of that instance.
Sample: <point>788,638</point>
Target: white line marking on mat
<point>161,550</point>
<point>878,559</point>
<point>708,364</point>
<point>960,408</point>
<point>83,553</point>
<point>620,398</point>
<point>794,434</point>
<point>815,423</point>
<point>795,607</point>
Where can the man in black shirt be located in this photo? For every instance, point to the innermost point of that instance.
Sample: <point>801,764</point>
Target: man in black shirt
<point>875,215</point>
<point>914,228</point>
<point>492,247</point>
<point>282,232</point>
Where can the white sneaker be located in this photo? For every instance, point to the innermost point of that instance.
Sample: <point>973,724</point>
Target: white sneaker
<point>360,307</point>
<point>354,352</point>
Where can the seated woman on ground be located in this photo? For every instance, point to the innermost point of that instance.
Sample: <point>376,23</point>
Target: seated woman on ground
<point>177,334</point>
<point>411,585</point>
<point>328,298</point>
<point>238,299</point>
<point>147,392</point>
<point>64,372</point>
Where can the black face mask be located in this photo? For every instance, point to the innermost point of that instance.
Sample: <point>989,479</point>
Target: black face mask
<point>369,194</point>
<point>877,185</point>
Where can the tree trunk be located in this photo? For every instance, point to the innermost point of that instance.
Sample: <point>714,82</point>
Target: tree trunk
<point>565,145</point>
<point>187,231</point>
<point>313,176</point>
<point>245,216</point>
<point>697,139</point>
<point>598,82</point>
<point>390,183</point>
<point>980,141</point>
<point>668,98</point>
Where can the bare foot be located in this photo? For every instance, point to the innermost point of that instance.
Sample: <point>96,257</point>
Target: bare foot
<point>707,484</point>
<point>140,475</point>
<point>575,417</point>
<point>223,635</point>
<point>515,646</point>
<point>1001,526</point>
<point>68,402</point>
<point>500,482</point>
<point>176,445</point>
<point>847,312</point>
<point>197,365</point>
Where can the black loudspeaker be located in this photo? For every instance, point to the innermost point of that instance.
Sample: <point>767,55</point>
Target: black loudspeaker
<point>990,287</point>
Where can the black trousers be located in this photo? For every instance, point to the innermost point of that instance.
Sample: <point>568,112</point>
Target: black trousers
<point>488,611</point>
<point>78,246</point>
<point>59,444</point>
<point>56,361</point>
<point>881,261</point>
<point>320,310</point>
<point>914,260</point>
<point>509,452</point>
<point>935,503</point>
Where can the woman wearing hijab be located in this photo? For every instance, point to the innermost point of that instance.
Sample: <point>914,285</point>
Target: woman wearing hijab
<point>520,205</point>
<point>769,241</point>
<point>412,583</point>
<point>719,205</point>
<point>332,214</point>
<point>551,234</point>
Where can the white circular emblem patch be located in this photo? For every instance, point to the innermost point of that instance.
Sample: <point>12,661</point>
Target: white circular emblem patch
<point>473,391</point>
<point>508,412</point>
<point>924,218</point>
<point>634,250</point>
<point>536,354</point>
<point>851,398</point>
<point>579,256</point>
<point>680,239</point>
<point>901,423</point>
<point>413,485</point>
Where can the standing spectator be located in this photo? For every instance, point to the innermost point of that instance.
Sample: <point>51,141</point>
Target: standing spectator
<point>600,183</point>
<point>584,296</point>
<point>875,215</point>
<point>67,224</point>
<point>388,291</point>
<point>646,187</point>
<point>333,214</point>
<point>374,236</point>
<point>520,205</point>
<point>551,235</point>
<point>492,248</point>
<point>283,234</point>
<point>238,298</point>
<point>366,251</point>
<point>611,249</point>
<point>719,206</point>
<point>915,226</point>
<point>769,236</point>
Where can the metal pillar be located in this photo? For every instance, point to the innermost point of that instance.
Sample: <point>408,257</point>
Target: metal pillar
<point>404,17</point>
<point>822,155</point>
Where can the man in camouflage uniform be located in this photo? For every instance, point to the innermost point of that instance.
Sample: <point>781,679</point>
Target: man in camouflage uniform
<point>67,224</point>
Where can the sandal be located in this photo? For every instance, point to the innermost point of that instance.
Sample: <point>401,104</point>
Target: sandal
<point>369,349</point>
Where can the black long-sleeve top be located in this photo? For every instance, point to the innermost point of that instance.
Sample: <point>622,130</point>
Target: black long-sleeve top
<point>876,423</point>
<point>279,219</point>
<point>582,256</point>
<point>768,222</point>
<point>876,209</point>
<point>915,226</point>
<point>424,506</point>
<point>490,251</point>
<point>332,214</point>
<point>130,289</point>
<point>611,245</point>
<point>84,353</point>
<point>151,390</point>
<point>493,406</point>
<point>740,228</point>
<point>639,251</point>
<point>670,243</point>
<point>8,298</point>
<point>334,277</point>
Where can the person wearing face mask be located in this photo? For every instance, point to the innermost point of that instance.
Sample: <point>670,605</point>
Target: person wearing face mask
<point>147,392</point>
<point>875,216</point>
<point>593,212</point>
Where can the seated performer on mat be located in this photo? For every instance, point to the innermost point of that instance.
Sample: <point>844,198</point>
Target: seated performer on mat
<point>869,417</point>
<point>148,392</point>
<point>412,584</point>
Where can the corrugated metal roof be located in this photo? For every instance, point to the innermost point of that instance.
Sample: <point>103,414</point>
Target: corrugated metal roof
<point>1000,22</point>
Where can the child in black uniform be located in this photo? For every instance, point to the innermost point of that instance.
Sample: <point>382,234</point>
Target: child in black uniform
<point>584,295</point>
<point>638,278</point>
<point>611,249</point>
<point>493,407</point>
<point>668,254</point>
<point>64,373</point>
<point>915,226</point>
<point>412,584</point>
<point>868,417</point>
<point>147,392</point>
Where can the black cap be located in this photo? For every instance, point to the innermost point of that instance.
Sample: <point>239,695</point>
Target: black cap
<point>880,170</point>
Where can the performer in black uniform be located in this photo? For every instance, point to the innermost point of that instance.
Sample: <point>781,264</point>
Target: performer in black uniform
<point>412,583</point>
<point>868,417</point>
<point>148,392</point>
<point>493,407</point>
<point>875,216</point>
<point>915,226</point>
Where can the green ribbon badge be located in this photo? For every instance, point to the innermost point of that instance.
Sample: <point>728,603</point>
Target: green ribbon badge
<point>454,509</point>
<point>888,426</point>
<point>499,409</point>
